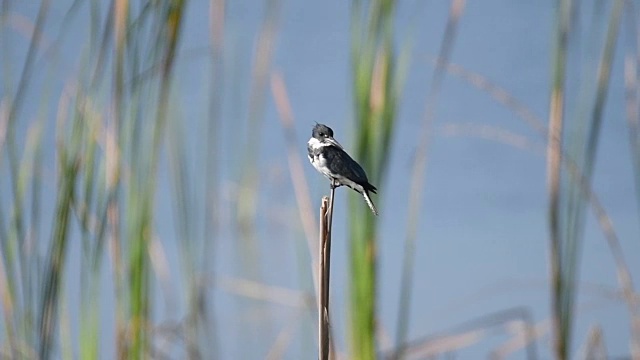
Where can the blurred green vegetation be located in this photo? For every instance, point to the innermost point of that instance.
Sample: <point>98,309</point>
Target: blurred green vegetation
<point>376,93</point>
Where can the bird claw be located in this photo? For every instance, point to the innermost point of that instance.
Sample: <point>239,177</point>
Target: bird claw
<point>334,185</point>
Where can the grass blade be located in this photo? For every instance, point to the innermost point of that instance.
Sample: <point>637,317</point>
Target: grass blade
<point>554,149</point>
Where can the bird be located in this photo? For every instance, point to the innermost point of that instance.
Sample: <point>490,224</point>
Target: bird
<point>332,161</point>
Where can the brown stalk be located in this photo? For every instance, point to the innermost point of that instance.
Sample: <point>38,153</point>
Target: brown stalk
<point>326,220</point>
<point>300,187</point>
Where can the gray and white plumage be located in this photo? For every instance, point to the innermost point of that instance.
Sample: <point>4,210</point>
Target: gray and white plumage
<point>330,159</point>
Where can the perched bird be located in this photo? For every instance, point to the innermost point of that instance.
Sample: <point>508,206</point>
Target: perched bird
<point>330,159</point>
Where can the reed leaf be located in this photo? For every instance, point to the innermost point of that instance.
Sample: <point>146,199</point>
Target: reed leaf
<point>376,94</point>
<point>567,202</point>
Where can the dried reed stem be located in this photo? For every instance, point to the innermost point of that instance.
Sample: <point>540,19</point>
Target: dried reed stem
<point>300,187</point>
<point>324,272</point>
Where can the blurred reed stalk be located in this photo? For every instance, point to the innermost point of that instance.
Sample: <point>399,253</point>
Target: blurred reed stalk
<point>576,178</point>
<point>559,335</point>
<point>69,163</point>
<point>144,154</point>
<point>324,274</point>
<point>517,321</point>
<point>300,187</point>
<point>247,165</point>
<point>320,259</point>
<point>632,95</point>
<point>567,196</point>
<point>248,191</point>
<point>418,174</point>
<point>107,181</point>
<point>377,84</point>
<point>28,329</point>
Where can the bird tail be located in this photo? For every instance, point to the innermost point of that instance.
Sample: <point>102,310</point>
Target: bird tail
<point>369,202</point>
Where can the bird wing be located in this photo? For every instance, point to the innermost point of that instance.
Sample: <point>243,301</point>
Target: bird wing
<point>339,162</point>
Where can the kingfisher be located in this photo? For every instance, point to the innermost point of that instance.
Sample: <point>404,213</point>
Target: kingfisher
<point>332,161</point>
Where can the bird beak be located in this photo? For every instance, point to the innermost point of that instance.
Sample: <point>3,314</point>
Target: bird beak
<point>333,141</point>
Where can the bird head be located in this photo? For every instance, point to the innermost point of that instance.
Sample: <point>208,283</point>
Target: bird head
<point>324,134</point>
